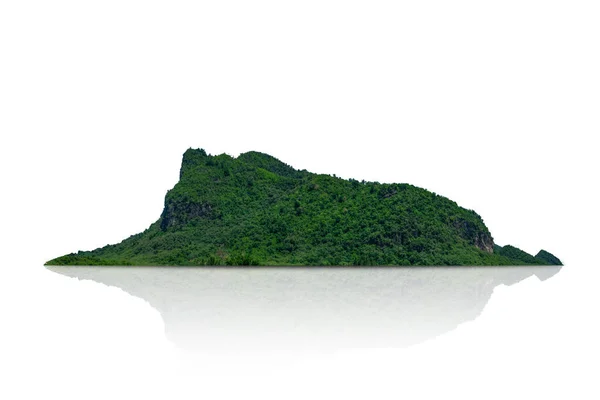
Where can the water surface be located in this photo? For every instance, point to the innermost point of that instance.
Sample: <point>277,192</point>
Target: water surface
<point>252,308</point>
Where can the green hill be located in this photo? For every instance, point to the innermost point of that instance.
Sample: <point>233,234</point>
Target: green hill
<point>257,210</point>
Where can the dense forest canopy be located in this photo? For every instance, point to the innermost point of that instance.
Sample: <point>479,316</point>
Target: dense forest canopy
<point>257,210</point>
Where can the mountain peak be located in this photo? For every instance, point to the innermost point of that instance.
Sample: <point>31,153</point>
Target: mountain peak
<point>255,209</point>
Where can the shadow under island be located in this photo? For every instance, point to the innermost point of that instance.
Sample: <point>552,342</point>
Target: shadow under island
<point>321,308</point>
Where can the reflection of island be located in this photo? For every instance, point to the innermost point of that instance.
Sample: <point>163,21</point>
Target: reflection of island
<point>233,308</point>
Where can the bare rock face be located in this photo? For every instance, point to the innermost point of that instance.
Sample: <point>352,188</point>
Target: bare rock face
<point>485,242</point>
<point>477,236</point>
<point>180,213</point>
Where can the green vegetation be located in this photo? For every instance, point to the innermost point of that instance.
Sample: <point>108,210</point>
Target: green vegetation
<point>256,210</point>
<point>546,258</point>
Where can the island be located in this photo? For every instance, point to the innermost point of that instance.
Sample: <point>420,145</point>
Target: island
<point>257,210</point>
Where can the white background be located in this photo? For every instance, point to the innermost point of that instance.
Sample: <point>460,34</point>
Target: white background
<point>492,104</point>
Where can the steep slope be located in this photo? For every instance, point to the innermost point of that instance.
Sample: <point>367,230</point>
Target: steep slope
<point>257,210</point>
